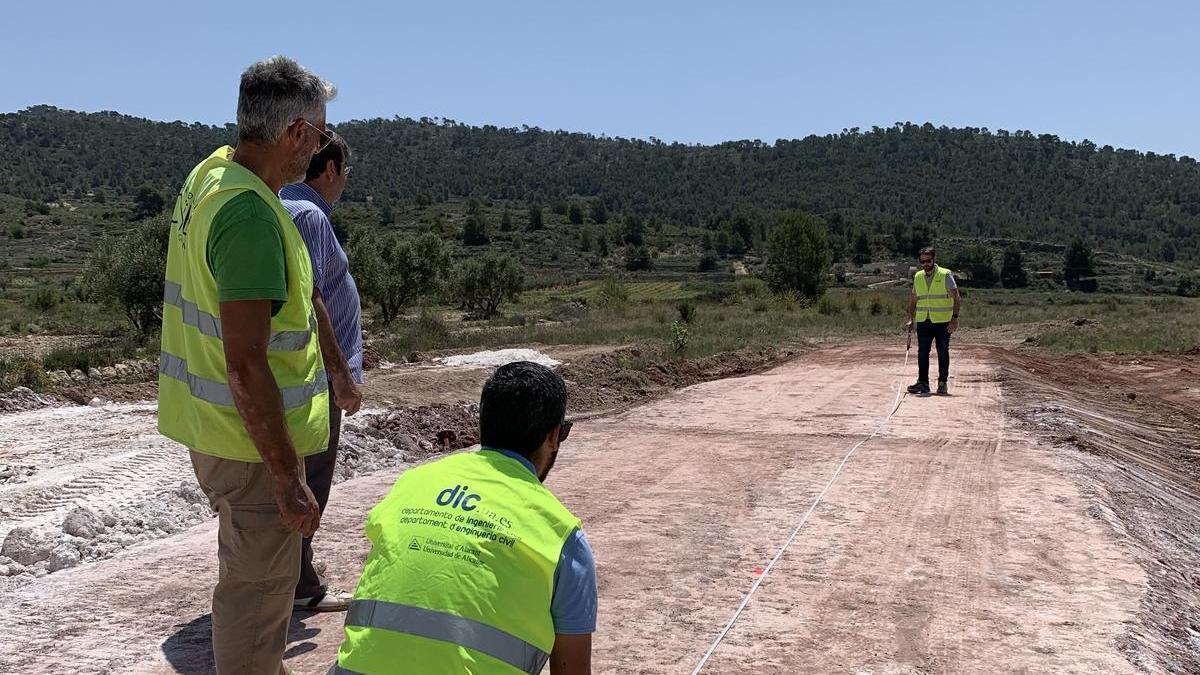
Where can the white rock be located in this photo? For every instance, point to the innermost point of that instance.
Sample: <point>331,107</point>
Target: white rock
<point>163,523</point>
<point>26,546</point>
<point>84,522</point>
<point>3,570</point>
<point>78,375</point>
<point>192,493</point>
<point>96,403</point>
<point>108,372</point>
<point>62,557</point>
<point>94,373</point>
<point>498,358</point>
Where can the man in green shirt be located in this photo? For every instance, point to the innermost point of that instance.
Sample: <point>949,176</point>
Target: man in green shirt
<point>263,504</point>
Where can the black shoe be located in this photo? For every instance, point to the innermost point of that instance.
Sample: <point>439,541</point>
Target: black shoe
<point>919,388</point>
<point>941,390</point>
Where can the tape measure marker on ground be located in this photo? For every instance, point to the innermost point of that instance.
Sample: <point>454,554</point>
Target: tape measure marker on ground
<point>900,393</point>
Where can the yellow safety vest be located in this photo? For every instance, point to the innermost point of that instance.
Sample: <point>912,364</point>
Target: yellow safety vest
<point>934,302</point>
<point>195,404</point>
<point>460,574</point>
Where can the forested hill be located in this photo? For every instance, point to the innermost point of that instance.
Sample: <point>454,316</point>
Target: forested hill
<point>966,182</point>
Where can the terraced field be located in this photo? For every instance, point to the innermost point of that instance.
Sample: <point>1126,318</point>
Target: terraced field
<point>638,290</point>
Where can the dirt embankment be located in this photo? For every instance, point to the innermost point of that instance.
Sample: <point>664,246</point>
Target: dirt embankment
<point>1139,420</point>
<point>616,380</point>
<point>598,382</point>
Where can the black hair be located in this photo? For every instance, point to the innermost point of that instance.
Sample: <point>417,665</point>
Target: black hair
<point>337,150</point>
<point>520,404</point>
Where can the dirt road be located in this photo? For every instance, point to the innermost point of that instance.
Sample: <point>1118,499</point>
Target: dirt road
<point>953,542</point>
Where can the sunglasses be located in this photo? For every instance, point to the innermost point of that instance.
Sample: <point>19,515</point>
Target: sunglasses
<point>564,430</point>
<point>327,139</point>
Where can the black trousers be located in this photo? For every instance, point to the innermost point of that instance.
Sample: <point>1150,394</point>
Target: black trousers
<point>928,333</point>
<point>318,471</point>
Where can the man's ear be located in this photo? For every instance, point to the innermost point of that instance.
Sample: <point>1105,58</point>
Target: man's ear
<point>294,133</point>
<point>331,168</point>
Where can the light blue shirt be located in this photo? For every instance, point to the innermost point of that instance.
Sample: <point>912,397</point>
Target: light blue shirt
<point>573,605</point>
<point>331,269</point>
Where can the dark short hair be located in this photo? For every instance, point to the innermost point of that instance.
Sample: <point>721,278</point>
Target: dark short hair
<point>337,150</point>
<point>520,404</point>
<point>928,250</point>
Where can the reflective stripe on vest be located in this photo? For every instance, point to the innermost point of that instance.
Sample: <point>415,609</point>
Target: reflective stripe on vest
<point>218,393</point>
<point>282,341</point>
<point>457,630</point>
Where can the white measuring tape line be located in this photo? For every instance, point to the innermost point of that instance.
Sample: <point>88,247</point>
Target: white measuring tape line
<point>900,391</point>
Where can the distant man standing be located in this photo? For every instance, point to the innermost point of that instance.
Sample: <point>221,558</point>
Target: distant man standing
<point>242,372</point>
<point>934,307</point>
<point>310,204</point>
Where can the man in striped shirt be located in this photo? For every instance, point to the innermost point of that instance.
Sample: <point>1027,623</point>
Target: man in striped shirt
<point>310,203</point>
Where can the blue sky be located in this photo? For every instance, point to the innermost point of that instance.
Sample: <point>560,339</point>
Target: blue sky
<point>1123,74</point>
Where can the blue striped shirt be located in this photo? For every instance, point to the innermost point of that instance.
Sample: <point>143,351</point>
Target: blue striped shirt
<point>331,269</point>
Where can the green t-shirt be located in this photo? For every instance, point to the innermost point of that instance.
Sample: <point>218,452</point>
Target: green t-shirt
<point>245,252</point>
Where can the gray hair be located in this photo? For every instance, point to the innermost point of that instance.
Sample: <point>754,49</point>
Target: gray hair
<point>273,94</point>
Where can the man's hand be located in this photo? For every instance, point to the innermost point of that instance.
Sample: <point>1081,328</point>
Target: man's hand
<point>346,394</point>
<point>953,325</point>
<point>908,326</point>
<point>298,509</point>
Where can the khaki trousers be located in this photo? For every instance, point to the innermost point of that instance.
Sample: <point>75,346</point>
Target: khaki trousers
<point>259,564</point>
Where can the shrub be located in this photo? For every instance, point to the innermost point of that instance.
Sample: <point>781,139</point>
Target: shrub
<point>638,258</point>
<point>679,337</point>
<point>612,293</point>
<point>475,231</point>
<point>95,355</point>
<point>687,310</point>
<point>22,372</point>
<point>431,328</point>
<point>44,299</point>
<point>828,307</point>
<point>752,287</point>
